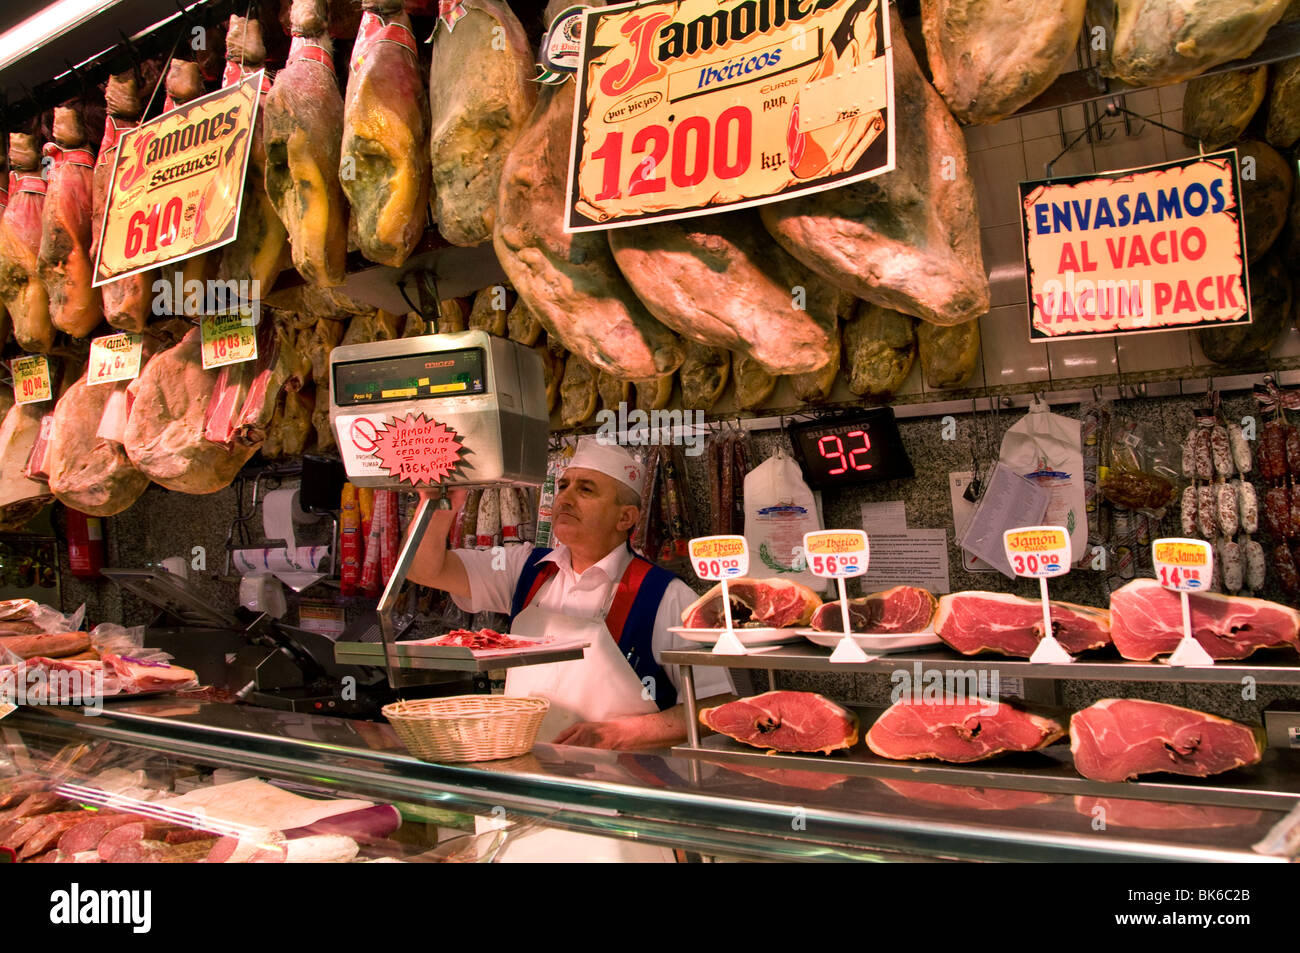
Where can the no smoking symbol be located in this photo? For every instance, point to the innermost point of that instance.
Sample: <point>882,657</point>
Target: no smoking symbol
<point>364,435</point>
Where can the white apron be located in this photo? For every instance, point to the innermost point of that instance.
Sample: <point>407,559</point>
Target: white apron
<point>600,686</point>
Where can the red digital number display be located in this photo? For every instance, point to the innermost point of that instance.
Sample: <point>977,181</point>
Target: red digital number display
<point>832,448</point>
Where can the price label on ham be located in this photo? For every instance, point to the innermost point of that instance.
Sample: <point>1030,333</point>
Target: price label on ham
<point>228,339</point>
<point>1039,552</point>
<point>1184,565</point>
<point>31,379</point>
<point>114,357</point>
<point>417,450</point>
<point>836,553</point>
<point>719,557</point>
<point>688,106</point>
<point>178,183</point>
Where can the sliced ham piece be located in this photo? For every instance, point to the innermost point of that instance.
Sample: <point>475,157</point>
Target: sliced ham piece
<point>769,602</point>
<point>901,609</point>
<point>975,622</point>
<point>21,287</point>
<point>64,259</point>
<point>1147,620</point>
<point>384,167</point>
<point>965,797</point>
<point>785,721</point>
<point>302,122</point>
<point>1161,816</point>
<point>137,676</point>
<point>958,731</point>
<point>1118,739</point>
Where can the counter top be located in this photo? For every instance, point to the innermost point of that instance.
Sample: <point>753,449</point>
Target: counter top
<point>697,802</point>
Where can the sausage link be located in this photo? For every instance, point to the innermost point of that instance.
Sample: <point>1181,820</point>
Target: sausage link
<point>1189,455</point>
<point>1287,576</point>
<point>1277,511</point>
<point>1207,511</point>
<point>1189,511</point>
<point>1204,454</point>
<point>1221,447</point>
<point>1248,506</point>
<point>1293,524</point>
<point>1293,450</point>
<point>1272,451</point>
<point>1227,514</point>
<point>1240,449</point>
<point>1233,567</point>
<point>1254,554</point>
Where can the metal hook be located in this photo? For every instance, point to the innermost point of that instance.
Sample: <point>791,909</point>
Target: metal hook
<point>401,287</point>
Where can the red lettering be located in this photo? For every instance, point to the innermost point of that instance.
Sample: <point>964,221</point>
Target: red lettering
<point>1227,286</point>
<point>1183,297</point>
<point>1088,263</point>
<point>1116,249</point>
<point>630,73</point>
<point>1164,293</point>
<point>1204,296</point>
<point>1137,254</point>
<point>1068,262</point>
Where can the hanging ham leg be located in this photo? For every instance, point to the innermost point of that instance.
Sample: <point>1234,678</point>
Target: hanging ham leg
<point>302,124</point>
<point>64,260</point>
<point>6,326</point>
<point>385,160</point>
<point>126,301</point>
<point>21,287</point>
<point>260,251</point>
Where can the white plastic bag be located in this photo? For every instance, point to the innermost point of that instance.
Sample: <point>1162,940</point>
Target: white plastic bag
<point>779,509</point>
<point>1048,449</point>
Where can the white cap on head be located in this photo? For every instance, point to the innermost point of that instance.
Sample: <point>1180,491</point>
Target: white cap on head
<point>610,459</point>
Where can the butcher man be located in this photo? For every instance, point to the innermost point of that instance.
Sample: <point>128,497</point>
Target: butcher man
<point>590,587</point>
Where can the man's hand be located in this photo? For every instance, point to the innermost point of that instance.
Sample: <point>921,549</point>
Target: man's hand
<point>600,734</point>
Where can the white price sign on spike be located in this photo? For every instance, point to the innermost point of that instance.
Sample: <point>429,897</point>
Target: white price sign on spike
<point>717,559</point>
<point>1041,552</point>
<point>1185,565</point>
<point>840,554</point>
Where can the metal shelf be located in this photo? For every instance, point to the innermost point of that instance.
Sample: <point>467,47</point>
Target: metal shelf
<point>1273,784</point>
<point>811,658</point>
<point>444,658</point>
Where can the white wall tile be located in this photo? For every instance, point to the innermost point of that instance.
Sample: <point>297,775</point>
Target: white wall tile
<point>997,174</point>
<point>1081,358</point>
<point>1171,97</point>
<point>1004,133</point>
<point>1038,125</point>
<point>1125,152</point>
<point>1154,351</point>
<point>1038,152</point>
<point>1004,260</point>
<point>1009,357</point>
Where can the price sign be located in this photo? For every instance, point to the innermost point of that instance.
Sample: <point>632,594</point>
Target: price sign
<point>228,339</point>
<point>837,553</point>
<point>718,558</point>
<point>31,379</point>
<point>691,105</point>
<point>1038,552</point>
<point>1041,552</point>
<point>115,357</point>
<point>1184,565</point>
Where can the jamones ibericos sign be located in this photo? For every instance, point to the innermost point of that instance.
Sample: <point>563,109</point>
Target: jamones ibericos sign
<point>692,106</point>
<point>1140,250</point>
<point>178,182</point>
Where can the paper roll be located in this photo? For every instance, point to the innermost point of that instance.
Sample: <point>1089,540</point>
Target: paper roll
<point>278,560</point>
<point>280,512</point>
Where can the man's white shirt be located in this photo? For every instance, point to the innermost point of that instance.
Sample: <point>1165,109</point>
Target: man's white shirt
<point>585,595</point>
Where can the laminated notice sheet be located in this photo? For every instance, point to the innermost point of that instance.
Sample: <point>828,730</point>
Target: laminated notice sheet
<point>1010,501</point>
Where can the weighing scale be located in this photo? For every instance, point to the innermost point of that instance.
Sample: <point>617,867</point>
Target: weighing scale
<point>456,410</point>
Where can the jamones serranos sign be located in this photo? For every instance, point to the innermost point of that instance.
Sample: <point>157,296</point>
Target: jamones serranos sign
<point>1150,249</point>
<point>692,106</point>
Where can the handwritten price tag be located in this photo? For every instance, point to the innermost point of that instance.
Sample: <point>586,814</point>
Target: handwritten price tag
<point>115,357</point>
<point>1039,552</point>
<point>1184,565</point>
<point>227,339</point>
<point>837,553</point>
<point>31,379</point>
<point>719,557</point>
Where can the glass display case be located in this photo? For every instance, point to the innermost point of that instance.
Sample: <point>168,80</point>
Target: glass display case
<point>241,783</point>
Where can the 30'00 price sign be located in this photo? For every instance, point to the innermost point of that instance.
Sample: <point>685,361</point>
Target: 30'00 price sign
<point>691,105</point>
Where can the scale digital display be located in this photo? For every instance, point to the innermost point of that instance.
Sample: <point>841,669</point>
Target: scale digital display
<point>410,377</point>
<point>857,448</point>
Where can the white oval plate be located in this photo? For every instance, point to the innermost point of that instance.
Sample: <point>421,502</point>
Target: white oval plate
<point>890,642</point>
<point>749,638</point>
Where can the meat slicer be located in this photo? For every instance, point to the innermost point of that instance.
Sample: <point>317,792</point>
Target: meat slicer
<point>459,410</point>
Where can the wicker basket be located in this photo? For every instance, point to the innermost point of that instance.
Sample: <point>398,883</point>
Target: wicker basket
<point>467,727</point>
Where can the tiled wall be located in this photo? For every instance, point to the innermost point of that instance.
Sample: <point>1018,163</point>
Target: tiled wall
<point>1020,148</point>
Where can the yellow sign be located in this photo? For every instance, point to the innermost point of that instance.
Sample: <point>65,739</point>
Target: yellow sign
<point>227,339</point>
<point>1177,552</point>
<point>717,547</point>
<point>1036,540</point>
<point>688,106</point>
<point>719,557</point>
<point>835,541</point>
<point>1137,250</point>
<point>31,379</point>
<point>114,357</point>
<point>178,182</point>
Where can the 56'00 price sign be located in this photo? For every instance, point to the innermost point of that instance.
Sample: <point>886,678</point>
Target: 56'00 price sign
<point>687,106</point>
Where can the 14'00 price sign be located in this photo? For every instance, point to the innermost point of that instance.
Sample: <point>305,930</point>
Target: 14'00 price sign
<point>687,106</point>
<point>1184,565</point>
<point>719,557</point>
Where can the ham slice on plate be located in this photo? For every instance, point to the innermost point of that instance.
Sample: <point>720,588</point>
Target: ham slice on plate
<point>975,622</point>
<point>785,721</point>
<point>902,609</point>
<point>958,731</point>
<point>778,603</point>
<point>1118,739</point>
<point>1147,620</point>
